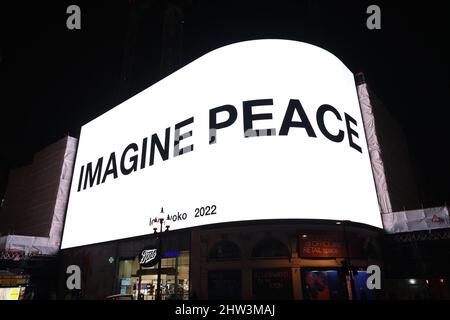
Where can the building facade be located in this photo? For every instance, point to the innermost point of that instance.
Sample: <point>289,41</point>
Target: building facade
<point>301,260</point>
<point>32,220</point>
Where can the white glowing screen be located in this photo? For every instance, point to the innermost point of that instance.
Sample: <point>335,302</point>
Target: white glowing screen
<point>288,143</point>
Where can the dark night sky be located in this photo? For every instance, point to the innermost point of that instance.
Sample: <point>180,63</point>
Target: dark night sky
<point>54,80</point>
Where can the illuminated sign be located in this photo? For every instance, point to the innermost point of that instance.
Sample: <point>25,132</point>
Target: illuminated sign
<point>149,256</point>
<point>322,246</point>
<point>10,293</point>
<point>264,129</point>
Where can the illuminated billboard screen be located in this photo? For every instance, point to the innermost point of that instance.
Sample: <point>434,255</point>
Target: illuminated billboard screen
<point>264,129</point>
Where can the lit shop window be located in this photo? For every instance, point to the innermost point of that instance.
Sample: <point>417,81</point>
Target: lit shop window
<point>174,277</point>
<point>127,270</point>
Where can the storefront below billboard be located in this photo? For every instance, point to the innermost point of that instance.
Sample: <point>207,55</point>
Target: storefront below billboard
<point>262,261</point>
<point>141,282</point>
<point>284,261</point>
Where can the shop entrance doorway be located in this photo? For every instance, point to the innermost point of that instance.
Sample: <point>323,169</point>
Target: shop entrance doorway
<point>172,287</point>
<point>174,278</point>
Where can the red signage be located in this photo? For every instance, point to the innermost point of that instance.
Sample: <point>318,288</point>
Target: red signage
<point>321,246</point>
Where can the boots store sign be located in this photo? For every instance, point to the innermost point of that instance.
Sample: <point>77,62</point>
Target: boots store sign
<point>149,257</point>
<point>264,129</point>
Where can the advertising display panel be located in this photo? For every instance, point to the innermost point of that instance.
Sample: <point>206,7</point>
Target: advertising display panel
<point>264,129</point>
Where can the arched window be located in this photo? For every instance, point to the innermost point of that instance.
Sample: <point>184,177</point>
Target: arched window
<point>270,248</point>
<point>224,250</point>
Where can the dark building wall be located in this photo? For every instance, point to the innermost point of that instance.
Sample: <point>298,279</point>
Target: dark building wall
<point>31,193</point>
<point>424,254</point>
<point>3,179</point>
<point>417,265</point>
<point>15,200</point>
<point>399,174</point>
<point>97,273</point>
<point>172,37</point>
